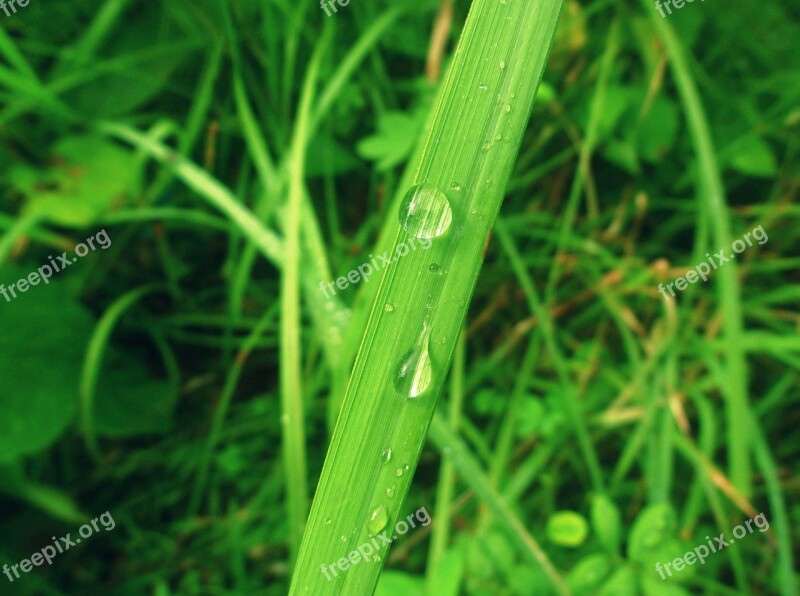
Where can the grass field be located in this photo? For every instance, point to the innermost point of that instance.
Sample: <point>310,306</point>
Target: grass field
<point>421,298</point>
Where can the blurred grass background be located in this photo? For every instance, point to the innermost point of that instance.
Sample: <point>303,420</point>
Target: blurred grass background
<point>145,379</point>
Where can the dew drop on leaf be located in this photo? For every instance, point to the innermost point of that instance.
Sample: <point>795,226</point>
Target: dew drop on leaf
<point>414,374</point>
<point>425,212</point>
<point>378,520</point>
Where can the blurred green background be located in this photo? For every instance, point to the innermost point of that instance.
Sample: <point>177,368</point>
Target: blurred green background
<point>137,381</point>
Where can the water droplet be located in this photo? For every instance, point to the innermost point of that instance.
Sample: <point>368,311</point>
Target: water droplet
<point>386,455</point>
<point>405,467</point>
<point>425,212</point>
<point>378,520</point>
<point>499,137</point>
<point>434,268</point>
<point>376,558</point>
<point>388,307</point>
<point>502,64</point>
<point>456,186</point>
<point>344,538</point>
<point>390,492</point>
<point>482,86</point>
<point>507,108</point>
<point>415,373</point>
<point>398,472</point>
<point>327,521</point>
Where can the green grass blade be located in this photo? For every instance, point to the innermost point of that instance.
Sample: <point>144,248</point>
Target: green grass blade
<point>480,119</point>
<point>291,387</point>
<point>711,198</point>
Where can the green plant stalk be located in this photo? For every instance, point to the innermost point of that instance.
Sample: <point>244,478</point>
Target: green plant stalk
<point>479,123</point>
<point>291,387</point>
<point>440,534</point>
<point>221,412</point>
<point>454,448</point>
<point>711,199</point>
<point>573,408</point>
<point>93,363</point>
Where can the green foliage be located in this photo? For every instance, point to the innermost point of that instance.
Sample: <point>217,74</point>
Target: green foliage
<point>194,381</point>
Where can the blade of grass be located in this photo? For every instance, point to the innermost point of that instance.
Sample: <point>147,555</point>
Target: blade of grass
<point>440,534</point>
<point>93,364</point>
<point>573,408</point>
<point>292,414</point>
<point>479,123</point>
<point>712,202</point>
<point>455,449</point>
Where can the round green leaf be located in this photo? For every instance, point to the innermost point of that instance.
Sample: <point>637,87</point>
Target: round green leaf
<point>567,528</point>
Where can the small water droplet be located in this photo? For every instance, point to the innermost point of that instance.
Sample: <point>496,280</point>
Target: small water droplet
<point>405,467</point>
<point>344,538</point>
<point>434,268</point>
<point>398,472</point>
<point>507,108</point>
<point>425,212</point>
<point>378,520</point>
<point>390,492</point>
<point>502,64</point>
<point>386,455</point>
<point>415,373</point>
<point>486,146</point>
<point>388,307</point>
<point>327,521</point>
<point>376,558</point>
<point>483,86</point>
<point>456,186</point>
<point>499,137</point>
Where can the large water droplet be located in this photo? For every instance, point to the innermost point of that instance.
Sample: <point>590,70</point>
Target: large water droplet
<point>415,373</point>
<point>378,520</point>
<point>425,212</point>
